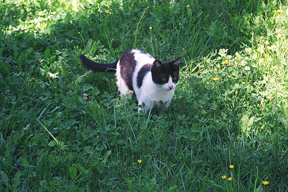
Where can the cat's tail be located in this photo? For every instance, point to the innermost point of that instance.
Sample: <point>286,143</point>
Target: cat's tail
<point>100,67</point>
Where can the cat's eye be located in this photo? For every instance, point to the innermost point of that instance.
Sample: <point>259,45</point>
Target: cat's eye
<point>174,78</point>
<point>164,79</point>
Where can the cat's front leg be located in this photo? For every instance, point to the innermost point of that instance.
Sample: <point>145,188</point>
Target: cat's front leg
<point>147,106</point>
<point>127,95</point>
<point>162,108</point>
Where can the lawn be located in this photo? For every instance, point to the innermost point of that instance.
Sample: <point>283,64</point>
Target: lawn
<point>64,128</point>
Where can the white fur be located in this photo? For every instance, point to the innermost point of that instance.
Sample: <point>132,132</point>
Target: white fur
<point>149,94</point>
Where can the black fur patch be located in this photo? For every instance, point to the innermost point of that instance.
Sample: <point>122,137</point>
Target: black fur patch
<point>141,74</point>
<point>100,67</point>
<point>162,71</point>
<point>127,67</point>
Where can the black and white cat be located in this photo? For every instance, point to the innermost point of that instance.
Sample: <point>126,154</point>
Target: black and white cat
<point>139,73</point>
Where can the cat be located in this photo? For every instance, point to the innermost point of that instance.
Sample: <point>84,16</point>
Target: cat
<point>138,73</point>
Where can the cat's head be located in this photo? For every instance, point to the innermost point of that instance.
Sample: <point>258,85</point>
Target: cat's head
<point>166,74</point>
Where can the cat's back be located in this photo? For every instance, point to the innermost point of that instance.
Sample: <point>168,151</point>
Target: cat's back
<point>130,64</point>
<point>135,57</point>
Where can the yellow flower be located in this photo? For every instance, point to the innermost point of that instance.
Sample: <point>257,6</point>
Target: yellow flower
<point>236,92</point>
<point>261,37</point>
<point>215,79</point>
<point>279,11</point>
<point>243,82</point>
<point>226,62</point>
<point>230,179</point>
<point>97,136</point>
<point>131,5</point>
<point>139,161</point>
<point>188,6</point>
<point>224,177</point>
<point>266,55</point>
<point>150,28</point>
<point>231,166</point>
<point>265,182</point>
<point>286,49</point>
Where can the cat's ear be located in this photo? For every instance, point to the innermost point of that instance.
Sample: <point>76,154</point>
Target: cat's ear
<point>157,64</point>
<point>176,62</point>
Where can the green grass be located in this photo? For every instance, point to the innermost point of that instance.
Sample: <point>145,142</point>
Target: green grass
<point>63,128</point>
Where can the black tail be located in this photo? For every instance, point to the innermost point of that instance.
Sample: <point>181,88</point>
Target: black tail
<point>100,67</point>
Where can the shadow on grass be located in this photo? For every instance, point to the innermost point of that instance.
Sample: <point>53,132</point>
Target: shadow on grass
<point>201,28</point>
<point>217,24</point>
<point>206,26</point>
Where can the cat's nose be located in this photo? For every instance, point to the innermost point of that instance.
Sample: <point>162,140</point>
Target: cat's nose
<point>170,86</point>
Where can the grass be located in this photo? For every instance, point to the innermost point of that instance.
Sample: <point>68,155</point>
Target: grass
<point>64,128</point>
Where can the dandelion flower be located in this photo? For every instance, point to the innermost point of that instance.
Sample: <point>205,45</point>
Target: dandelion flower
<point>265,182</point>
<point>230,179</point>
<point>247,68</point>
<point>188,6</point>
<point>139,161</point>
<point>224,177</point>
<point>215,79</point>
<point>279,11</point>
<point>131,5</point>
<point>150,28</point>
<point>231,166</point>
<point>243,83</point>
<point>261,37</point>
<point>97,136</point>
<point>226,62</point>
<point>236,92</point>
